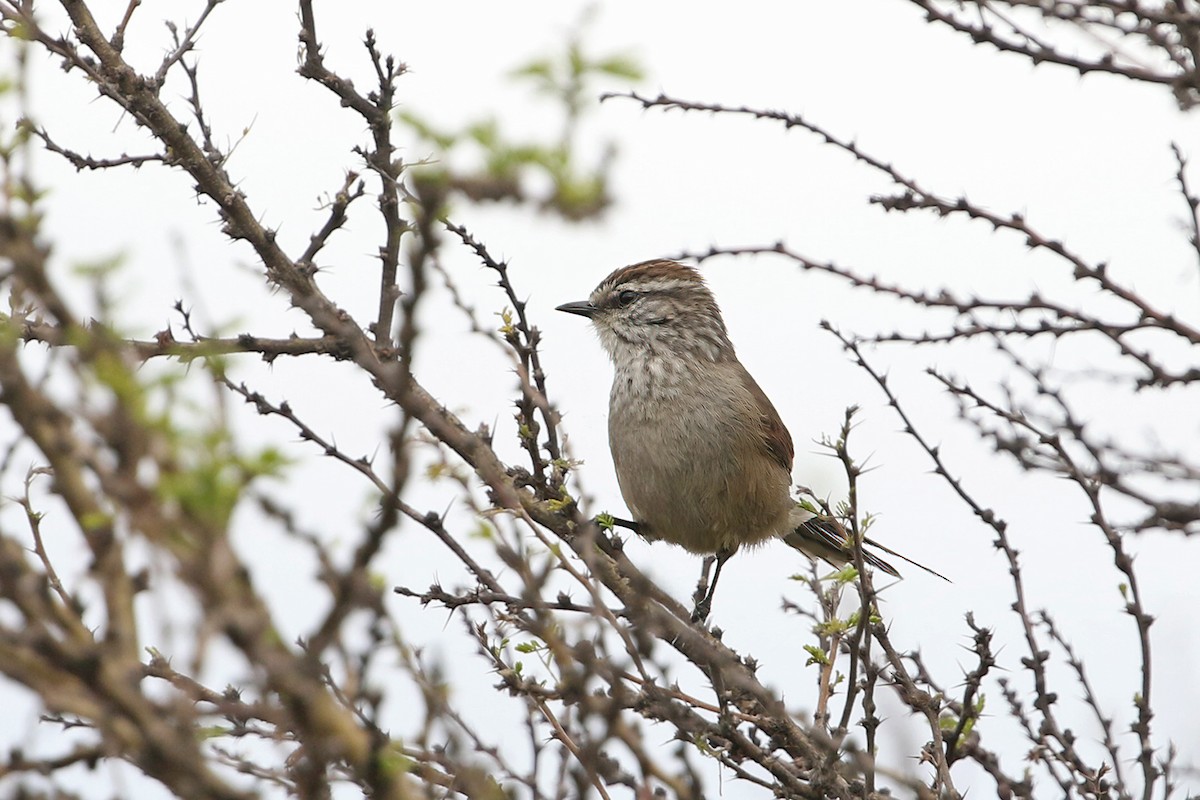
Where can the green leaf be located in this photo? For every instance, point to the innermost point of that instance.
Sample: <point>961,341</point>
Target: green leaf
<point>815,655</point>
<point>845,575</point>
<point>392,762</point>
<point>541,68</point>
<point>833,627</point>
<point>623,66</point>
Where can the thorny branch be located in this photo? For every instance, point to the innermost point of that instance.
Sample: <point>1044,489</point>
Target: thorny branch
<point>1146,42</point>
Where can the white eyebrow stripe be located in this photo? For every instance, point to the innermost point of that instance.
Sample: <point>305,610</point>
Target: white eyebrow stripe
<point>658,285</point>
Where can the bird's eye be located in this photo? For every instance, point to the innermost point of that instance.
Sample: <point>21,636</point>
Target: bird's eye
<point>626,297</point>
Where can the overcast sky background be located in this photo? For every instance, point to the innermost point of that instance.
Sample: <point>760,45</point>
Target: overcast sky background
<point>1087,161</point>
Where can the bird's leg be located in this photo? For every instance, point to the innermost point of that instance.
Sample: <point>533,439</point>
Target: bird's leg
<point>705,605</point>
<point>702,582</point>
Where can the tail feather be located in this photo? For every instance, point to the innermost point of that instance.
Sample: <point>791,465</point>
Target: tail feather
<point>823,537</point>
<point>868,540</point>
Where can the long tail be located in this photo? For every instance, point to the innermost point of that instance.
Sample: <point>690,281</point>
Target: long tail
<point>824,537</point>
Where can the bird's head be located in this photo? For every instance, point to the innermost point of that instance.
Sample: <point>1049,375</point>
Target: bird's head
<point>655,307</point>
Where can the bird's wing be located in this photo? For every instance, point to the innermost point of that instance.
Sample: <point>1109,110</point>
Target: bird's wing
<point>775,436</point>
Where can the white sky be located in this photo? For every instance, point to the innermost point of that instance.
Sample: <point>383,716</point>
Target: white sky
<point>1087,161</point>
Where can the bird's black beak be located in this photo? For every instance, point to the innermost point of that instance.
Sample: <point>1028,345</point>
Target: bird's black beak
<point>583,308</point>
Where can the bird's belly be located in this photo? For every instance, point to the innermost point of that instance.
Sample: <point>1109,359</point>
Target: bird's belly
<point>695,483</point>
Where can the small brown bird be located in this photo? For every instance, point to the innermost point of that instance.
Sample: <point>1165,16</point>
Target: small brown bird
<point>702,457</point>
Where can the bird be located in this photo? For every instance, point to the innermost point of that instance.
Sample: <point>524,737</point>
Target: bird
<point>702,457</point>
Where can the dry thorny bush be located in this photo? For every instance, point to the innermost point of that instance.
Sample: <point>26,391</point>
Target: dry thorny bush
<point>577,636</point>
